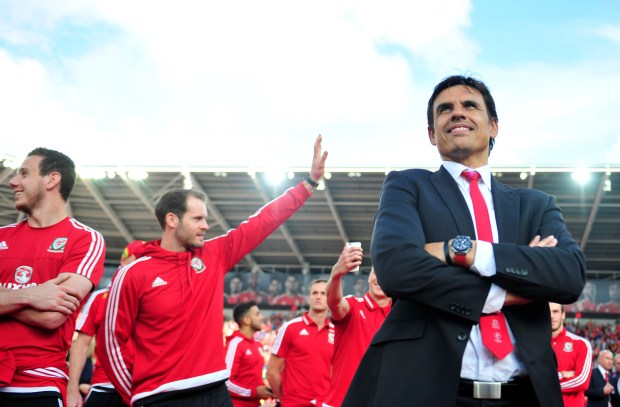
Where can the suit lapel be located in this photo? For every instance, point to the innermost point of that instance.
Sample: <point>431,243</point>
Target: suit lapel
<point>449,192</point>
<point>506,212</point>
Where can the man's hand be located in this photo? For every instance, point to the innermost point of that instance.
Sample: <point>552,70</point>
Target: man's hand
<point>549,241</point>
<point>350,258</point>
<point>318,161</point>
<point>74,397</point>
<point>608,388</point>
<point>264,392</point>
<point>51,296</point>
<point>567,374</point>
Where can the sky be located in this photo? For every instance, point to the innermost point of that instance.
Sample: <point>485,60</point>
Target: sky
<point>200,83</point>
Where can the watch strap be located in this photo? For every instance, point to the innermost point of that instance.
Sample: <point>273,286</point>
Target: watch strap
<point>460,259</point>
<point>446,252</point>
<point>310,181</point>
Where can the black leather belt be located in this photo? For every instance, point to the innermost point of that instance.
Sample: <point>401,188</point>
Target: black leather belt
<point>513,390</point>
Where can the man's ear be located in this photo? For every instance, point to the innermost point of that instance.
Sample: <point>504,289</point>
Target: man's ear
<point>53,180</point>
<point>431,136</point>
<point>172,220</point>
<point>494,128</point>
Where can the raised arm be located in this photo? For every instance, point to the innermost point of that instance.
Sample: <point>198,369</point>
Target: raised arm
<point>350,258</point>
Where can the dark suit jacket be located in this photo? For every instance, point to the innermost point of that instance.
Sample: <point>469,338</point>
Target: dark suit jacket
<point>596,397</point>
<point>615,397</point>
<point>415,358</point>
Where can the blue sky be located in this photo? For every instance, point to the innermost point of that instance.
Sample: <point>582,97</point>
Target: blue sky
<point>206,84</point>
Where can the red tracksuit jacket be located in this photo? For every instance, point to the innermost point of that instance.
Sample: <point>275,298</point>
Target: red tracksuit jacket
<point>171,305</point>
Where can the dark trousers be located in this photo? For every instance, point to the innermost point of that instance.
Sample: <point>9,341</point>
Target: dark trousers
<point>216,396</point>
<point>104,399</point>
<point>527,400</point>
<point>47,401</point>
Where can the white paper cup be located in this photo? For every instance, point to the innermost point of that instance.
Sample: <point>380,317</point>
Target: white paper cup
<point>355,244</point>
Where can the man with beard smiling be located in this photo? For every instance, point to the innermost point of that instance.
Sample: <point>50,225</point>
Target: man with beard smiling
<point>471,265</point>
<point>170,302</point>
<point>49,262</point>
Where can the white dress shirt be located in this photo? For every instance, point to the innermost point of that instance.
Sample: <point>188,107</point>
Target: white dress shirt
<point>478,362</point>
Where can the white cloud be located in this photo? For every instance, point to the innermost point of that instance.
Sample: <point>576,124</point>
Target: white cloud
<point>252,83</point>
<point>610,32</point>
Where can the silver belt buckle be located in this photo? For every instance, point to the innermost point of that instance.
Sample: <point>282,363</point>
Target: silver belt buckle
<point>488,390</point>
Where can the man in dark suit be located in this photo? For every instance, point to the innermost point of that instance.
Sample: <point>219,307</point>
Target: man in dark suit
<point>429,255</point>
<point>600,389</point>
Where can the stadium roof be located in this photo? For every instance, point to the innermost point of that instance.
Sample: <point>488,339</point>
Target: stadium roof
<point>122,209</point>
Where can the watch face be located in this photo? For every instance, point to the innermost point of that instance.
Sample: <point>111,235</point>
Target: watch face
<point>461,244</point>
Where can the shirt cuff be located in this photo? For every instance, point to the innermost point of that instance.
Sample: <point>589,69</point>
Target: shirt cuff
<point>484,262</point>
<point>495,300</point>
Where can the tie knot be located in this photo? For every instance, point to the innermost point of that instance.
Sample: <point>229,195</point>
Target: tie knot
<point>471,175</point>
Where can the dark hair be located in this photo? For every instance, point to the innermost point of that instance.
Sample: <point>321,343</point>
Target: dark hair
<point>470,82</point>
<point>55,161</point>
<point>175,201</point>
<point>241,310</point>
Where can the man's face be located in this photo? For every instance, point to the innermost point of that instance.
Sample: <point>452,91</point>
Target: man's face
<point>557,317</point>
<point>28,185</point>
<point>253,280</point>
<point>462,128</point>
<point>318,297</point>
<point>291,284</point>
<point>374,287</point>
<point>274,287</point>
<point>605,359</point>
<point>589,291</point>
<point>235,285</point>
<point>617,363</point>
<point>359,286</point>
<point>256,318</point>
<point>191,228</point>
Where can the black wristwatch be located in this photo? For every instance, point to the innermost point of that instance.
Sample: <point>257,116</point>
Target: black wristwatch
<point>310,181</point>
<point>461,246</point>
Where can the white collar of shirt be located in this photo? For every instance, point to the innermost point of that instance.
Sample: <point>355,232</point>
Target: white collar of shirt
<point>456,169</point>
<point>603,371</point>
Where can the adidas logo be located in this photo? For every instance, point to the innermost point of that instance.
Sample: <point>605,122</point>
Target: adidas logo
<point>304,332</point>
<point>248,352</point>
<point>3,245</point>
<point>159,282</point>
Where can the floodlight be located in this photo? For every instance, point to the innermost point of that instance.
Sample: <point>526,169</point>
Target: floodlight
<point>581,176</point>
<point>275,178</point>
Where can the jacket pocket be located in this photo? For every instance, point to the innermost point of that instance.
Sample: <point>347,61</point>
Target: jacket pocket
<point>399,331</point>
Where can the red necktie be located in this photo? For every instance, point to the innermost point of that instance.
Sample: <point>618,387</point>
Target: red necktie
<point>606,377</point>
<point>492,327</point>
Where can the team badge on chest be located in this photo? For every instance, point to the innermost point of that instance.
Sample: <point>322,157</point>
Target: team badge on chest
<point>58,245</point>
<point>568,347</point>
<point>23,274</point>
<point>197,265</point>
